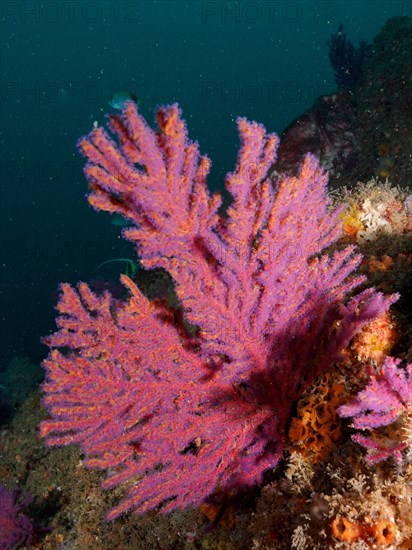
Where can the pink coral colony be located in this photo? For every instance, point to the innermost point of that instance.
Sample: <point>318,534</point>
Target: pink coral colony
<point>169,415</point>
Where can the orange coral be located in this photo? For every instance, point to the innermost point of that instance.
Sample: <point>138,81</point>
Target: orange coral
<point>351,223</point>
<point>374,264</point>
<point>381,532</point>
<point>211,511</point>
<point>376,340</point>
<point>384,532</point>
<point>346,530</point>
<point>315,429</point>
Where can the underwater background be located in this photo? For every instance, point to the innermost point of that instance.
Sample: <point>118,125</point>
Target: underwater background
<point>61,64</point>
<point>329,77</point>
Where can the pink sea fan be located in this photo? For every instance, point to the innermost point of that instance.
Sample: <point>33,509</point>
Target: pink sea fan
<point>172,416</point>
<point>15,527</point>
<point>386,398</point>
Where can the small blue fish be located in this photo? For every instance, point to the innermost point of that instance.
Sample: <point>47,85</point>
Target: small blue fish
<point>119,99</point>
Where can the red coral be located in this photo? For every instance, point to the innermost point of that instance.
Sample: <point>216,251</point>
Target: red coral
<point>174,418</point>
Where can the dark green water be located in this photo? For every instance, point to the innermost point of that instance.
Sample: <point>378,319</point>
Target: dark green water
<point>62,61</point>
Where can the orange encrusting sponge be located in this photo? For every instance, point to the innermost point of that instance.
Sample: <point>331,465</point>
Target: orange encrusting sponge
<point>315,429</point>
